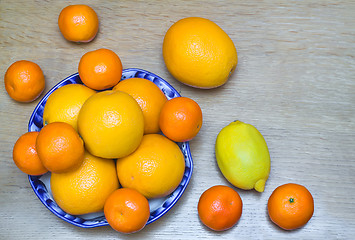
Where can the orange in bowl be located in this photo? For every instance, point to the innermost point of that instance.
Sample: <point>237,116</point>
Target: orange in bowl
<point>149,97</point>
<point>85,189</point>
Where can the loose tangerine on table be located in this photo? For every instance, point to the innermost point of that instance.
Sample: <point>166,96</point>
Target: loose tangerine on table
<point>24,81</point>
<point>78,23</point>
<point>220,207</point>
<point>290,206</point>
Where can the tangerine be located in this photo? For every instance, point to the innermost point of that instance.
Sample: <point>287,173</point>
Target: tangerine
<point>78,23</point>
<point>25,155</point>
<point>60,147</point>
<point>220,207</point>
<point>100,69</point>
<point>127,210</point>
<point>180,119</point>
<point>290,206</point>
<point>24,81</point>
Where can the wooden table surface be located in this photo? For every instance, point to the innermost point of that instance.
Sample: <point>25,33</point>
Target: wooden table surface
<point>295,82</point>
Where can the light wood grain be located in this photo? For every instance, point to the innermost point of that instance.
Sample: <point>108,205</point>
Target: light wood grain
<point>295,82</point>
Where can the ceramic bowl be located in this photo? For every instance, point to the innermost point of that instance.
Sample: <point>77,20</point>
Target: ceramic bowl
<point>158,207</point>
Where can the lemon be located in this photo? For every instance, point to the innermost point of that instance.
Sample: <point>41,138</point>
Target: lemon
<point>243,156</point>
<point>198,53</point>
<point>85,189</point>
<point>111,124</point>
<point>64,104</point>
<point>155,169</point>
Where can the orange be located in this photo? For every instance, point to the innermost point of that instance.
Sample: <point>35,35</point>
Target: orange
<point>220,207</point>
<point>180,119</point>
<point>290,206</point>
<point>100,69</point>
<point>25,155</point>
<point>198,53</point>
<point>155,169</point>
<point>149,97</point>
<point>24,81</point>
<point>78,23</point>
<point>111,124</point>
<point>85,189</point>
<point>126,210</point>
<point>64,104</point>
<point>60,147</point>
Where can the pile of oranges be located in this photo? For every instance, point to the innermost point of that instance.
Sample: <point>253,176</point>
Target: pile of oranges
<point>110,145</point>
<point>105,142</point>
<point>105,133</point>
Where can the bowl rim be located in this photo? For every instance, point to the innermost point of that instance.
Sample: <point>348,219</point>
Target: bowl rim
<point>40,188</point>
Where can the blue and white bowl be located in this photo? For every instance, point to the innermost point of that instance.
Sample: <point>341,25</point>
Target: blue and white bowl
<point>158,207</point>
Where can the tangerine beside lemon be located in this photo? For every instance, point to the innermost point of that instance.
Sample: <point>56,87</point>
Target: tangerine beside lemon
<point>25,155</point>
<point>85,189</point>
<point>60,147</point>
<point>111,124</point>
<point>24,81</point>
<point>198,53</point>
<point>290,206</point>
<point>180,119</point>
<point>78,23</point>
<point>149,97</point>
<point>127,210</point>
<point>64,104</point>
<point>100,69</point>
<point>155,169</point>
<point>220,207</point>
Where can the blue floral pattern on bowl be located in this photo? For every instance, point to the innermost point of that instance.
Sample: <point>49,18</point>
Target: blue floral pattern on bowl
<point>158,207</point>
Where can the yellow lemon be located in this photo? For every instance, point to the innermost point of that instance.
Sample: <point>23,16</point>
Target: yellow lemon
<point>243,156</point>
<point>111,124</point>
<point>149,97</point>
<point>64,104</point>
<point>155,169</point>
<point>85,189</point>
<point>197,52</point>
